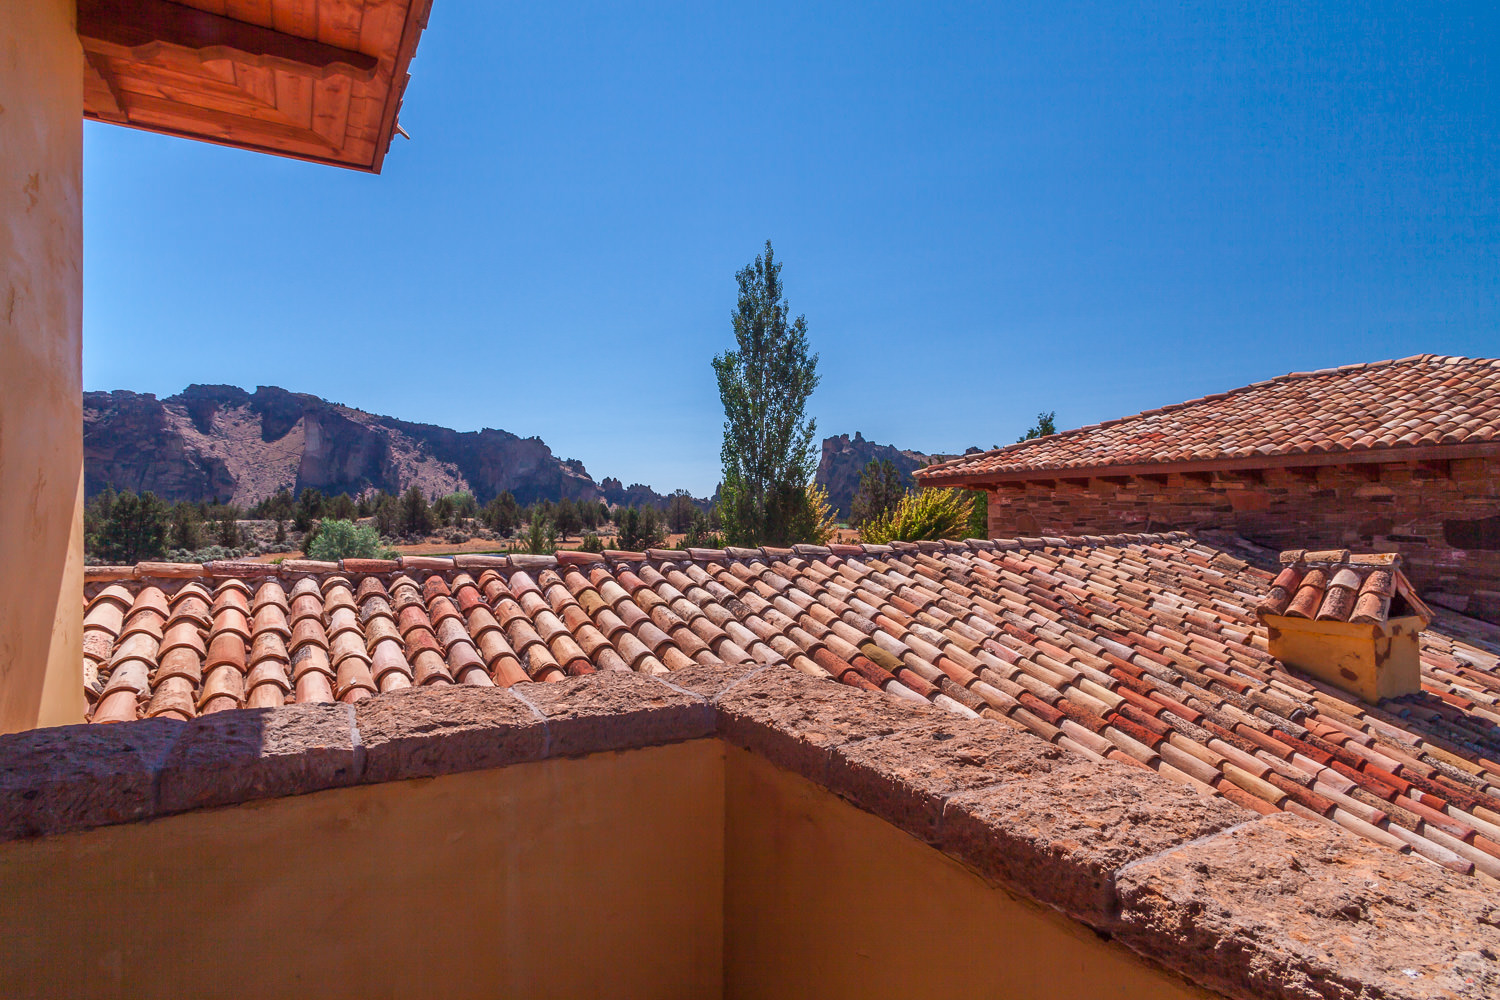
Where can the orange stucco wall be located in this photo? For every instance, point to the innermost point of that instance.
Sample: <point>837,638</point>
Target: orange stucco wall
<point>689,870</point>
<point>41,373</point>
<point>824,900</point>
<point>593,877</point>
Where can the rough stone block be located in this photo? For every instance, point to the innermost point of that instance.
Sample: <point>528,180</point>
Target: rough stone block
<point>905,778</point>
<point>1286,907</point>
<point>1059,828</point>
<point>77,777</point>
<point>616,710</point>
<point>232,757</point>
<point>710,682</point>
<point>795,721</point>
<point>422,732</point>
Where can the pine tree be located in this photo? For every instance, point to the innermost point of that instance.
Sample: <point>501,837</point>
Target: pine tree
<point>881,487</point>
<point>185,526</point>
<point>309,508</point>
<point>387,512</point>
<point>641,528</point>
<point>134,529</point>
<point>680,512</point>
<point>341,508</point>
<point>565,518</point>
<point>229,529</point>
<point>416,516</point>
<point>764,384</point>
<point>1046,423</point>
<point>502,514</point>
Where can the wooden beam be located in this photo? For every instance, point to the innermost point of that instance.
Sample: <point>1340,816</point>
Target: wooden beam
<point>223,126</point>
<point>138,29</point>
<point>101,96</point>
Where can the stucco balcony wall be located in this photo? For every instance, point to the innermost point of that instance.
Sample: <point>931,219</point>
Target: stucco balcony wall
<point>731,833</point>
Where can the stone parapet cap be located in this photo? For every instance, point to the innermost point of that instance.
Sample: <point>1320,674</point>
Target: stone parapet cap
<point>1244,904</point>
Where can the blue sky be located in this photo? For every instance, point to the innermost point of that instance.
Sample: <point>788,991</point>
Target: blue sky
<point>984,211</point>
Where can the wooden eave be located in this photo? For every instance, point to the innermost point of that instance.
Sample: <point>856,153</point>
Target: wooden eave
<point>318,80</point>
<point>1372,456</point>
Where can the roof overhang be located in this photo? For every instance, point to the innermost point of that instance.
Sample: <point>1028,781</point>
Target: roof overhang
<point>1373,456</point>
<point>314,81</point>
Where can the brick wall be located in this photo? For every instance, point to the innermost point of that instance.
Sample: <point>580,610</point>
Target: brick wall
<point>1443,517</point>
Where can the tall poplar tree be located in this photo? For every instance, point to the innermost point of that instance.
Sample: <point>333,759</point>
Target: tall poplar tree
<point>768,452</point>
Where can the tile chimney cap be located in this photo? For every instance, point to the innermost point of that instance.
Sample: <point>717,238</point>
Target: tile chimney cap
<point>1336,585</point>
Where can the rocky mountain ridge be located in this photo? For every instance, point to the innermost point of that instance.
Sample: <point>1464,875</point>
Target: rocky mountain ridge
<point>221,441</point>
<point>844,458</point>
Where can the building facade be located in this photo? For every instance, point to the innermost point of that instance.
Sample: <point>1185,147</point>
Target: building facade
<point>1396,456</point>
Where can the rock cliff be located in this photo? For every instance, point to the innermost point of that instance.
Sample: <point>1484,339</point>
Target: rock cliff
<point>221,441</point>
<point>844,458</point>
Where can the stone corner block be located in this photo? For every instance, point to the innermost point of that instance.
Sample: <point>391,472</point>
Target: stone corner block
<point>616,710</point>
<point>424,732</point>
<point>710,682</point>
<point>67,778</point>
<point>795,721</point>
<point>231,757</point>
<point>1061,827</point>
<point>906,777</point>
<point>1284,906</point>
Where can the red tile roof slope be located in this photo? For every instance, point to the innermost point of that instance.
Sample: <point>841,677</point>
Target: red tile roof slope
<point>1141,648</point>
<point>1425,400</point>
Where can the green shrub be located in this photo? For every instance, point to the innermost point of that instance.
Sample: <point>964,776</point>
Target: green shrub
<point>592,543</point>
<point>541,536</point>
<point>346,540</point>
<point>979,517</point>
<point>923,515</point>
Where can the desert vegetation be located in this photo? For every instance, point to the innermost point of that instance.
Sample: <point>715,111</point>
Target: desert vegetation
<point>123,527</point>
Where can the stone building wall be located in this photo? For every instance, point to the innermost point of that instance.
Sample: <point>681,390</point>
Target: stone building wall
<point>1443,517</point>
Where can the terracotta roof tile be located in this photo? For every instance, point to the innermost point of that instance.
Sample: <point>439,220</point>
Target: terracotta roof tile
<point>1142,649</point>
<point>1421,401</point>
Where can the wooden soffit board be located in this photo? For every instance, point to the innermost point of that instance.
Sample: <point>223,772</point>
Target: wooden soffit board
<point>317,80</point>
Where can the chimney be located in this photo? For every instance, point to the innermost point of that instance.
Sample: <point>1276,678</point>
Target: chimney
<point>1349,620</point>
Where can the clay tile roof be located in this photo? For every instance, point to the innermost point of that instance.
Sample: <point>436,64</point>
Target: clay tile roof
<point>1451,404</point>
<point>1143,649</point>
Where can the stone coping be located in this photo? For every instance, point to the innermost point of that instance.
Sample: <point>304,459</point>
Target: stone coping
<point>1244,904</point>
